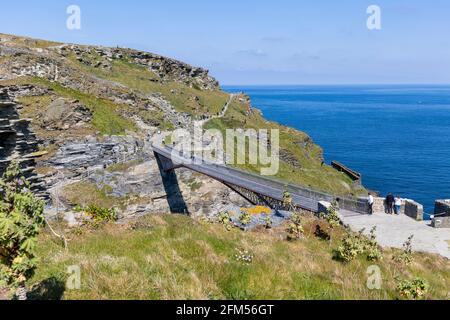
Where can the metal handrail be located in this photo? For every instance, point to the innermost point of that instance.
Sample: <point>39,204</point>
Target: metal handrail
<point>443,214</point>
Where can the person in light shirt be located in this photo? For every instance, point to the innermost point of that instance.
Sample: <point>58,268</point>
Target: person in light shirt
<point>370,200</point>
<point>398,205</point>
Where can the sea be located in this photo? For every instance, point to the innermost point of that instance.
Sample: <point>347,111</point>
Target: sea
<point>396,136</point>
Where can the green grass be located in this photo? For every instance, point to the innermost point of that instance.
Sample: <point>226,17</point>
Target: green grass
<point>308,171</point>
<point>183,97</point>
<point>175,257</point>
<point>86,194</point>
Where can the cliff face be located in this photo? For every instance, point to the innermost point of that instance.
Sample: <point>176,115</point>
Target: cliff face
<point>17,141</point>
<point>92,111</point>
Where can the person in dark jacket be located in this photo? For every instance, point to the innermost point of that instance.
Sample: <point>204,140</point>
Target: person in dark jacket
<point>390,200</point>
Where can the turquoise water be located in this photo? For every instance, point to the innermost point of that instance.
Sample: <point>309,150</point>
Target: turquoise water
<point>398,137</point>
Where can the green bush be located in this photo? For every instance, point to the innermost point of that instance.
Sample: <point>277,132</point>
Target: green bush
<point>332,215</point>
<point>225,219</point>
<point>352,246</point>
<point>412,289</point>
<point>295,228</point>
<point>268,222</point>
<point>355,244</point>
<point>371,247</point>
<point>287,200</point>
<point>21,219</point>
<point>245,218</point>
<point>99,214</point>
<point>405,257</point>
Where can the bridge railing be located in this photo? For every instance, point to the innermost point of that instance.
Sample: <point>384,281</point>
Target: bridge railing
<point>347,203</point>
<point>355,204</point>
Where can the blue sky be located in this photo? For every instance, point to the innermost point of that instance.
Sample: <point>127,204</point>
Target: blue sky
<point>261,42</point>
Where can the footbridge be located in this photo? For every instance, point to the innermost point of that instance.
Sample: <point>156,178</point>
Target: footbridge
<point>258,190</point>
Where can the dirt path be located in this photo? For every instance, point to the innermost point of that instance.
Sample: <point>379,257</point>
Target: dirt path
<point>220,115</point>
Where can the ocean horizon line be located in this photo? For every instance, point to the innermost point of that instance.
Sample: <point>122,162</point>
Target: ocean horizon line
<point>338,85</point>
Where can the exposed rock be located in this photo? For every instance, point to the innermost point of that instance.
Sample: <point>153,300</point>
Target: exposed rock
<point>14,92</point>
<point>170,69</point>
<point>18,143</point>
<point>140,185</point>
<point>289,158</point>
<point>62,114</point>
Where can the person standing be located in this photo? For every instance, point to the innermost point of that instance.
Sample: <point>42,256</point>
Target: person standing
<point>398,205</point>
<point>370,201</point>
<point>390,203</point>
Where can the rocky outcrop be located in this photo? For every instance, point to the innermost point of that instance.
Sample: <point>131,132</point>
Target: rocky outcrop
<point>62,114</point>
<point>170,69</point>
<point>18,143</point>
<point>165,68</point>
<point>78,159</point>
<point>126,169</point>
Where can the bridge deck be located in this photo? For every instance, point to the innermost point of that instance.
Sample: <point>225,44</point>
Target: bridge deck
<point>271,188</point>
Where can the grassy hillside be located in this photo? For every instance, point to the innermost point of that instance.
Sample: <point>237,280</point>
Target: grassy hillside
<point>175,257</point>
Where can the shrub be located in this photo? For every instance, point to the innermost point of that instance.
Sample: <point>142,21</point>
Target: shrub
<point>351,247</point>
<point>295,229</point>
<point>268,222</point>
<point>225,219</point>
<point>405,257</point>
<point>245,218</point>
<point>414,289</point>
<point>371,247</point>
<point>21,219</point>
<point>355,244</point>
<point>287,200</point>
<point>99,214</point>
<point>332,215</point>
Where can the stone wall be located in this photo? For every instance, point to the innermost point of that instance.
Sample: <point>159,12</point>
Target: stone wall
<point>355,176</point>
<point>442,207</point>
<point>409,207</point>
<point>442,214</point>
<point>441,222</point>
<point>414,210</point>
<point>379,206</point>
